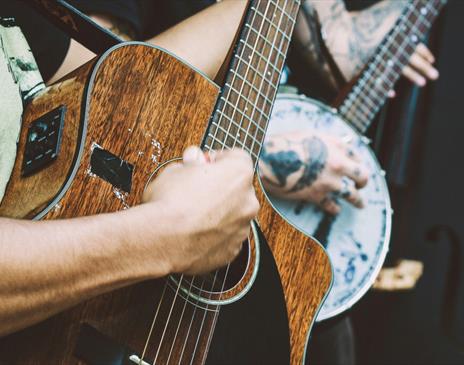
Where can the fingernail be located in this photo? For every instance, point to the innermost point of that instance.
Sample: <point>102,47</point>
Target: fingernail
<point>421,82</point>
<point>434,74</point>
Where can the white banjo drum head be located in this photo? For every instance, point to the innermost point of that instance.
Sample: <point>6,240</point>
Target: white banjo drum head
<point>356,239</point>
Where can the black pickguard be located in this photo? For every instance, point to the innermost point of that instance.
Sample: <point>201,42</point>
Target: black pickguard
<point>254,330</point>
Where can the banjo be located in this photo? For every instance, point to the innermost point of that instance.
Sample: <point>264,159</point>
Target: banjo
<point>357,239</point>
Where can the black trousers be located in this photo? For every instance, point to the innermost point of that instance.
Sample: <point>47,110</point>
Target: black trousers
<point>332,343</point>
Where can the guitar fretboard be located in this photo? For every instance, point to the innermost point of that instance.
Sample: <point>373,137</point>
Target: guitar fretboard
<point>245,103</point>
<point>370,91</point>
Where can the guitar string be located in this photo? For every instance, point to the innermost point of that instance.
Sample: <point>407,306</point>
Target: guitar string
<point>370,86</point>
<point>414,26</point>
<point>227,135</point>
<point>167,322</point>
<point>169,316</point>
<point>216,272</point>
<point>360,88</point>
<point>178,325</point>
<point>141,359</point>
<point>216,314</point>
<point>352,105</point>
<point>191,320</point>
<point>162,298</point>
<point>283,42</point>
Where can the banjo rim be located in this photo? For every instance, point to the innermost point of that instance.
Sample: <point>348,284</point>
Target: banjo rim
<point>322,314</point>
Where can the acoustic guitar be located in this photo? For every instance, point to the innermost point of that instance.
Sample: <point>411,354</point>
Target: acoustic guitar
<point>90,144</point>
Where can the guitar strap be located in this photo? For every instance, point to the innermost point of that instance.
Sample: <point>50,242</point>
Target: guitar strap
<point>20,78</point>
<point>76,24</point>
<point>14,84</point>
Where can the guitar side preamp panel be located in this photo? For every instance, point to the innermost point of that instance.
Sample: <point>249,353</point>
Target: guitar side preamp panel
<point>43,141</point>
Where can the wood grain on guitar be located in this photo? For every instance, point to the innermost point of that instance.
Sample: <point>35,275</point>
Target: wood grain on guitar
<point>144,107</point>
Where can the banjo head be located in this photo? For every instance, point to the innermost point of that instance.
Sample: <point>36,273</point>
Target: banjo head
<point>357,239</point>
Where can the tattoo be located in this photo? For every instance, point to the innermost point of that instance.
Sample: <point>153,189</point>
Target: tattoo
<point>285,163</point>
<point>367,26</point>
<point>316,157</point>
<point>282,163</point>
<point>364,31</point>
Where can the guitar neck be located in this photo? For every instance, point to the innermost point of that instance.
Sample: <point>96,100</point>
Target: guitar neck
<point>370,91</point>
<point>245,103</point>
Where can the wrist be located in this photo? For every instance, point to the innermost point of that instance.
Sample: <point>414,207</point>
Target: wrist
<point>146,238</point>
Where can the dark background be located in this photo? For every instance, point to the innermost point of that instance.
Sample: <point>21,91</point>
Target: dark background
<point>425,325</point>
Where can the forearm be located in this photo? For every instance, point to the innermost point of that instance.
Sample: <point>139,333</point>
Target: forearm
<point>203,40</point>
<point>47,267</point>
<point>352,37</point>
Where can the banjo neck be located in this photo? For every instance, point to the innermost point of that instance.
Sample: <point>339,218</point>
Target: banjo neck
<point>370,90</point>
<point>244,106</point>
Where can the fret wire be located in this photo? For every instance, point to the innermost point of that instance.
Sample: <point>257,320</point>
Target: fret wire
<point>282,12</point>
<point>263,57</point>
<point>260,93</point>
<point>242,143</point>
<point>252,67</point>
<point>254,87</point>
<point>289,17</point>
<point>279,47</point>
<point>240,127</point>
<point>233,75</point>
<point>361,116</point>
<point>379,57</point>
<point>264,39</point>
<point>214,139</point>
<point>253,50</point>
<point>250,118</point>
<point>255,106</point>
<point>261,97</point>
<point>222,97</point>
<point>264,79</point>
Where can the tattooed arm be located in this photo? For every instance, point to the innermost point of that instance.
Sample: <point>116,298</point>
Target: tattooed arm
<point>352,37</point>
<point>312,167</point>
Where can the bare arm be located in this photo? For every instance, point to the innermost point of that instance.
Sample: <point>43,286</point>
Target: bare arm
<point>202,40</point>
<point>49,266</point>
<point>352,37</point>
<point>195,218</point>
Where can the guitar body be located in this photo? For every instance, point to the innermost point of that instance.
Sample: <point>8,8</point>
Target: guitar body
<point>143,107</point>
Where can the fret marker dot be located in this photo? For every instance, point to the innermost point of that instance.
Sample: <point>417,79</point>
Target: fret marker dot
<point>423,11</point>
<point>414,38</point>
<point>390,63</point>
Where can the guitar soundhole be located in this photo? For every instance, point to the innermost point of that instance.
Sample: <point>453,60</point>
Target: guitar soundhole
<point>210,285</point>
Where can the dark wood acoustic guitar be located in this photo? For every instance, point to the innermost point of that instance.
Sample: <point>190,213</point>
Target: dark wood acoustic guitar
<point>91,142</point>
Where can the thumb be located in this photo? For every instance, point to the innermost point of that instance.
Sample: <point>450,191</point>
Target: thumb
<point>194,155</point>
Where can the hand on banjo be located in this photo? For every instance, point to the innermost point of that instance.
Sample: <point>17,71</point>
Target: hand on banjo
<point>313,167</point>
